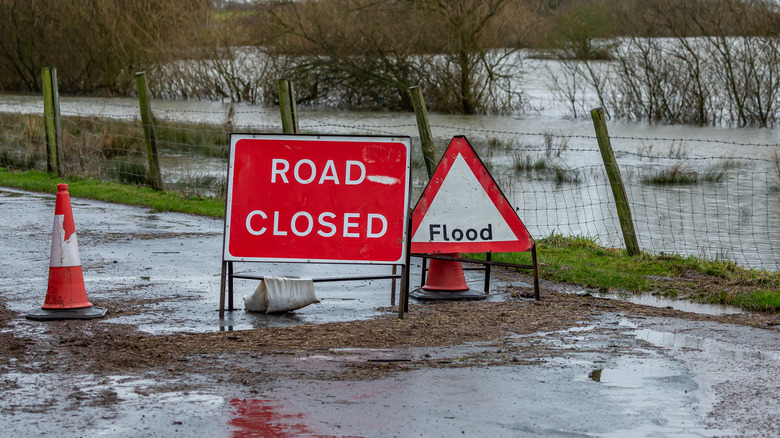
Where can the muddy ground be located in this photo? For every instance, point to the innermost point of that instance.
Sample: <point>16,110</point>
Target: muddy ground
<point>162,363</point>
<point>498,338</point>
<point>115,348</point>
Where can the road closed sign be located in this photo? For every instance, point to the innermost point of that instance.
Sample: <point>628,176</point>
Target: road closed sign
<point>334,199</point>
<point>462,209</point>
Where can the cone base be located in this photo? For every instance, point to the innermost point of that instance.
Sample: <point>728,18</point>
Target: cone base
<point>438,295</point>
<point>59,314</point>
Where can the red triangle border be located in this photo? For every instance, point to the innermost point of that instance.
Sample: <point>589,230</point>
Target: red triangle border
<point>460,145</point>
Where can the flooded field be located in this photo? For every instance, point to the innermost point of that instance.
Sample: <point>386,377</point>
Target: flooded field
<point>711,192</point>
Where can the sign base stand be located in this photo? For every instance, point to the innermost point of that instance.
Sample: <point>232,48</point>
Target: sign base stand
<point>61,314</point>
<point>226,286</point>
<point>422,294</point>
<point>441,295</point>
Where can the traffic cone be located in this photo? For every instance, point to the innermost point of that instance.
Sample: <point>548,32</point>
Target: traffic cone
<point>445,275</point>
<point>66,297</point>
<point>446,281</point>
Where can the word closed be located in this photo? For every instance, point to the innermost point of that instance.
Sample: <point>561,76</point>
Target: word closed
<point>317,198</point>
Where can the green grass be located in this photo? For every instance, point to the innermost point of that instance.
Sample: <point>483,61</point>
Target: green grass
<point>114,192</point>
<point>758,300</point>
<point>576,260</point>
<point>583,261</point>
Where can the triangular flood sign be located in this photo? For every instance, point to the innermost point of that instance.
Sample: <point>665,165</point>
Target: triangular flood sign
<point>463,210</point>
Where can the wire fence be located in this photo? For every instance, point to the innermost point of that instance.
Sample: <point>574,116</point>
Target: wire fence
<point>718,199</point>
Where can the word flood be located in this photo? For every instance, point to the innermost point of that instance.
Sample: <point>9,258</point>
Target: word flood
<point>457,234</point>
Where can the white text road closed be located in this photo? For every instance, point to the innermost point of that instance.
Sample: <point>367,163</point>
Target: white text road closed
<point>324,198</point>
<point>463,210</point>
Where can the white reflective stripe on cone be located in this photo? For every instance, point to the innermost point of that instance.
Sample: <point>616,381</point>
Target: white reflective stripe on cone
<point>64,253</point>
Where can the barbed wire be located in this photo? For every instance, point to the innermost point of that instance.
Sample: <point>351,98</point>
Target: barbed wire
<point>694,140</point>
<point>353,127</point>
<point>734,216</point>
<point>315,122</point>
<point>612,137</point>
<point>393,126</point>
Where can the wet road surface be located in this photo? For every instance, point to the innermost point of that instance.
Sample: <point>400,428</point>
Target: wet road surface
<point>620,376</point>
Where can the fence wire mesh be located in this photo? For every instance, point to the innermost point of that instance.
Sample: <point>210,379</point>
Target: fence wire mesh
<point>702,197</point>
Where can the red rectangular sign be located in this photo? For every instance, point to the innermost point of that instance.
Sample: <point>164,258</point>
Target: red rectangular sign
<point>335,199</point>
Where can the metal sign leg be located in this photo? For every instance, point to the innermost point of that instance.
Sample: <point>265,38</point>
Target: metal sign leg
<point>392,287</point>
<point>403,301</point>
<point>230,286</point>
<point>537,295</point>
<point>488,257</point>
<point>222,290</point>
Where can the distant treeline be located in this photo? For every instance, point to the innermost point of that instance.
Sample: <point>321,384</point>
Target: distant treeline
<point>350,53</point>
<point>96,45</point>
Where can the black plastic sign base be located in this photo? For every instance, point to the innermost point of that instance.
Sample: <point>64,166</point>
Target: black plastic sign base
<point>438,295</point>
<point>59,314</point>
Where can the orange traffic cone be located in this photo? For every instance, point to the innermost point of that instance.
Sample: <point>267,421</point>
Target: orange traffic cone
<point>66,297</point>
<point>446,281</point>
<point>445,275</point>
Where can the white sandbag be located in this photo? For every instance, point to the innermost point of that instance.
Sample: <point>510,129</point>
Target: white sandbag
<point>280,294</point>
<point>258,301</point>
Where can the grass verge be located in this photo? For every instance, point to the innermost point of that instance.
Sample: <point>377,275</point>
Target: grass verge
<point>582,261</point>
<point>36,181</point>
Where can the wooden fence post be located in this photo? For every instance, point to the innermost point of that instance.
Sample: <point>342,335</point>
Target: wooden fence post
<point>150,135</point>
<point>615,181</point>
<point>52,121</point>
<point>424,128</point>
<point>287,107</point>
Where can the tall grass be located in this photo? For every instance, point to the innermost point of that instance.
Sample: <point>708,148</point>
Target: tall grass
<point>112,149</point>
<point>200,139</point>
<point>22,141</point>
<point>545,164</point>
<point>24,161</point>
<point>682,175</point>
<point>130,172</point>
<point>524,162</point>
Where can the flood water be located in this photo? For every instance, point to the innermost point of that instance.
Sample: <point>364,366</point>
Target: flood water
<point>734,217</point>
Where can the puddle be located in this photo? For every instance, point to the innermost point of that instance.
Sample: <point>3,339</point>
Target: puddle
<point>637,397</point>
<point>254,417</point>
<point>632,373</point>
<point>40,405</point>
<point>709,346</point>
<point>654,301</point>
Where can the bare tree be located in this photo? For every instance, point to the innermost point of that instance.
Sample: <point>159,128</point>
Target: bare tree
<point>95,44</point>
